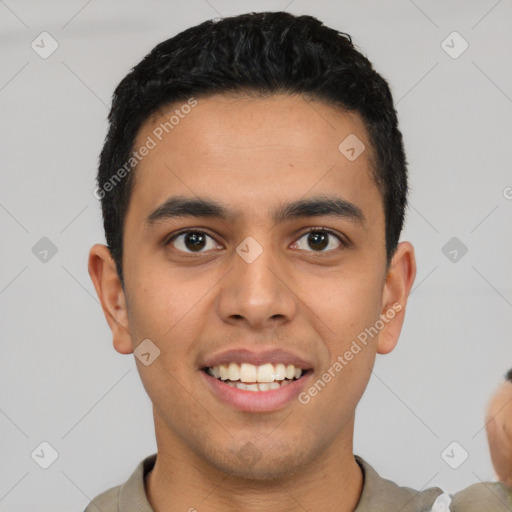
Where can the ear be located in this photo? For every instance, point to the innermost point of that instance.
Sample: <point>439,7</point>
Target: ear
<point>399,280</point>
<point>103,273</point>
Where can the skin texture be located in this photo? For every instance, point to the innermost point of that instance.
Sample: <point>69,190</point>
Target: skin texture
<point>254,154</point>
<point>498,424</point>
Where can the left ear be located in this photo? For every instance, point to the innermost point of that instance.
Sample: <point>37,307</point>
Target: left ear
<point>399,281</point>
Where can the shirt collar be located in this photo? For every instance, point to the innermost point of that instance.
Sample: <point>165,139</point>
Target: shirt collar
<point>378,494</point>
<point>132,494</point>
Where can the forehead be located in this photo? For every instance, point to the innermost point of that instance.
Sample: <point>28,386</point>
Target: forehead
<point>252,151</point>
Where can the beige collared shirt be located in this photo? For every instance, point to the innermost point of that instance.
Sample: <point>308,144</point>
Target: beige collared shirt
<point>378,495</point>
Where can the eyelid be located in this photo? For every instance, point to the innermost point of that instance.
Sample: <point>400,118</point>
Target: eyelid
<point>343,241</point>
<point>184,231</point>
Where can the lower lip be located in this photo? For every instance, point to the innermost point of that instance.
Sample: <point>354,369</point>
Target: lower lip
<point>257,401</point>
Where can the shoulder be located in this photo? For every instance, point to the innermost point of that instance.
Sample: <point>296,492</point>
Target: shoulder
<point>129,496</point>
<point>107,501</point>
<point>483,497</point>
<point>384,495</point>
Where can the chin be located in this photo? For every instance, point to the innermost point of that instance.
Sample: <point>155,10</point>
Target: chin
<point>261,473</point>
<point>269,464</point>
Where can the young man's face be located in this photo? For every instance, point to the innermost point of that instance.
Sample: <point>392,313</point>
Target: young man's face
<point>309,297</point>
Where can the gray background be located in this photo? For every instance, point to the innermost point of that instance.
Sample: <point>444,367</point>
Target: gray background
<point>61,380</point>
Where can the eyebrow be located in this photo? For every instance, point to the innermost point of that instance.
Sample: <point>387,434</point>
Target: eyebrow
<point>178,207</point>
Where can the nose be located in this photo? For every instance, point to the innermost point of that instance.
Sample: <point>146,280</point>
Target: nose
<point>257,292</point>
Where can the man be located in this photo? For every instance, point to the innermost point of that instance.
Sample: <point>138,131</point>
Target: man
<point>253,185</point>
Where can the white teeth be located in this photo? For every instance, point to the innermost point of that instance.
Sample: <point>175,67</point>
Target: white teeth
<point>266,373</point>
<point>280,371</point>
<point>223,371</point>
<point>269,375</point>
<point>264,386</point>
<point>233,372</point>
<point>248,373</point>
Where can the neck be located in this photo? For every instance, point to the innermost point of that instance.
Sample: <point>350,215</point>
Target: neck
<point>181,481</point>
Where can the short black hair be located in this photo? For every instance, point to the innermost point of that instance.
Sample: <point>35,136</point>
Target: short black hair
<point>256,53</point>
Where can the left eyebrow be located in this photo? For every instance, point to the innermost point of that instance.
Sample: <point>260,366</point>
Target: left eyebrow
<point>179,206</point>
<point>320,206</point>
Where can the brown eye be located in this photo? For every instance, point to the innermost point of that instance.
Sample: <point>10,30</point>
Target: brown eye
<point>192,241</point>
<point>319,239</point>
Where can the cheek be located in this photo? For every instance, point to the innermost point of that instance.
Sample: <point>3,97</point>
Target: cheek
<point>345,302</point>
<point>335,392</point>
<point>160,306</point>
<point>161,314</point>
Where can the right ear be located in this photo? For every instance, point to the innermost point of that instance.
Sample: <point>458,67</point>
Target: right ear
<point>102,270</point>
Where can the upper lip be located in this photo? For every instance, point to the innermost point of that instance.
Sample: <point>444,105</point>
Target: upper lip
<point>274,356</point>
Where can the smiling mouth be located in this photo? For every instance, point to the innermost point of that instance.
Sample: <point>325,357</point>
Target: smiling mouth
<point>249,377</point>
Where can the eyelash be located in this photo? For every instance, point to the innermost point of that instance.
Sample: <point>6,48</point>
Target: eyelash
<point>343,243</point>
